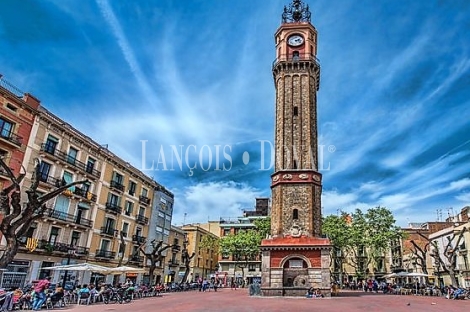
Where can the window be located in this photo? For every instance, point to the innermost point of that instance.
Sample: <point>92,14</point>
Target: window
<point>6,128</point>
<point>132,187</point>
<point>141,211</point>
<point>163,200</point>
<point>75,238</point>
<point>12,107</point>
<point>61,207</point>
<point>109,224</point>
<point>295,56</point>
<point>90,165</point>
<point>168,217</point>
<point>117,177</point>
<point>166,232</point>
<point>144,192</point>
<point>159,229</point>
<point>226,232</point>
<point>129,207</point>
<point>51,144</point>
<point>295,214</point>
<point>72,155</point>
<point>105,245</point>
<point>296,111</point>
<point>67,179</point>
<point>251,267</point>
<point>125,229</point>
<point>161,214</point>
<point>138,231</point>
<point>44,169</point>
<point>54,235</point>
<point>113,199</point>
<point>176,241</point>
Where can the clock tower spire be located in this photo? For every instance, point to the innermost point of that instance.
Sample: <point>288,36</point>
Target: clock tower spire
<point>296,255</point>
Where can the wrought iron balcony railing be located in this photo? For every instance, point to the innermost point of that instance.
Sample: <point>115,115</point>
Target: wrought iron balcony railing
<point>138,239</point>
<point>116,185</point>
<point>108,231</point>
<point>55,247</point>
<point>54,151</point>
<point>136,259</point>
<point>105,254</point>
<point>141,219</point>
<point>144,200</point>
<point>11,137</point>
<point>66,217</point>
<point>114,208</point>
<point>85,194</point>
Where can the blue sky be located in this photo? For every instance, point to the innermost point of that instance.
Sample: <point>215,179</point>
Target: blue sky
<point>393,101</point>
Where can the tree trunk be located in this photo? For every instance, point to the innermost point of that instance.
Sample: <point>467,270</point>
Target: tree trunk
<point>10,252</point>
<point>453,280</point>
<point>152,268</point>
<point>186,273</point>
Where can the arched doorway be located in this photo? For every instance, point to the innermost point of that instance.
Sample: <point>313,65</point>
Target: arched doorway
<point>295,272</point>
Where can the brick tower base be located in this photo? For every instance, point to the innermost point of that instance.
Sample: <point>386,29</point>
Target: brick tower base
<point>291,265</point>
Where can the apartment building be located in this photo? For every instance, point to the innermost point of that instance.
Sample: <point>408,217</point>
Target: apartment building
<point>205,262</point>
<point>17,111</point>
<point>174,266</point>
<point>104,220</point>
<point>229,266</point>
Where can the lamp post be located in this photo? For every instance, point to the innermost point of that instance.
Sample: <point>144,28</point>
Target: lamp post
<point>70,253</point>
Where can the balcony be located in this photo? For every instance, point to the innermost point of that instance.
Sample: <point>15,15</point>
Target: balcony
<point>84,194</point>
<point>68,160</point>
<point>10,138</point>
<point>136,259</point>
<point>60,248</point>
<point>144,200</point>
<point>173,263</point>
<point>44,178</point>
<point>141,219</point>
<point>67,218</point>
<point>108,231</point>
<point>116,185</point>
<point>138,239</point>
<point>113,208</point>
<point>105,254</point>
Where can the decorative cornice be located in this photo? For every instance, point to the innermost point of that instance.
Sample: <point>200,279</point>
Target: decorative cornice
<point>296,177</point>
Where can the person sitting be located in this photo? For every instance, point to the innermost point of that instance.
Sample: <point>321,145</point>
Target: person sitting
<point>310,292</point>
<point>57,296</point>
<point>318,293</point>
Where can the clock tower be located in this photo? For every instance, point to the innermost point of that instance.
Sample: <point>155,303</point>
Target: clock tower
<point>296,257</point>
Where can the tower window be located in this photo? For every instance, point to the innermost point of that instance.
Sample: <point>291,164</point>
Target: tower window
<point>295,56</point>
<point>296,111</point>
<point>295,164</point>
<point>295,214</point>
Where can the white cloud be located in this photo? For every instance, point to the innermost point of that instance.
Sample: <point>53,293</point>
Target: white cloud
<point>213,200</point>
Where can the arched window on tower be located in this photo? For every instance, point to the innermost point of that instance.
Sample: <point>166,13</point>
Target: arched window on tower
<point>295,56</point>
<point>296,111</point>
<point>295,214</point>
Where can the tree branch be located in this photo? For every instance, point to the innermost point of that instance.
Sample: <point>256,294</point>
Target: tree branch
<point>43,199</point>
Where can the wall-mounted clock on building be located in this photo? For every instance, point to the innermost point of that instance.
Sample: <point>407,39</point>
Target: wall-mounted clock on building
<point>295,40</point>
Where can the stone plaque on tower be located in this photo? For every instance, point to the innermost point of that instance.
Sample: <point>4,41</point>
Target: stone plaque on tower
<point>296,257</point>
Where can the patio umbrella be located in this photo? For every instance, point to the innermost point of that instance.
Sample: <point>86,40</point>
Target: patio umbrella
<point>390,275</point>
<point>416,275</point>
<point>125,269</point>
<point>79,267</point>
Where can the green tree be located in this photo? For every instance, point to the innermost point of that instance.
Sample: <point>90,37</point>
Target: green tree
<point>244,246</point>
<point>363,237</point>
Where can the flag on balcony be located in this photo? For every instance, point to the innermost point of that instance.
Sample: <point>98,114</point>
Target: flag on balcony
<point>31,244</point>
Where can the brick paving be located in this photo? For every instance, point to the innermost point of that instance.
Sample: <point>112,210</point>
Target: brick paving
<point>227,300</point>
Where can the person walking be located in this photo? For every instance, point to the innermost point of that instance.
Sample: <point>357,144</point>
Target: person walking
<point>40,293</point>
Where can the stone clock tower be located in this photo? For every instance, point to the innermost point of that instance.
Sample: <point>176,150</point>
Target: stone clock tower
<point>295,257</point>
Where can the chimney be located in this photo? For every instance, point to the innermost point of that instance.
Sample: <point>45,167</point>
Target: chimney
<point>31,100</point>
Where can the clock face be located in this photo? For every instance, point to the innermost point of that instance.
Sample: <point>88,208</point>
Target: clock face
<point>295,40</point>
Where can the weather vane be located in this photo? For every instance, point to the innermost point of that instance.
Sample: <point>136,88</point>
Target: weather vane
<point>296,12</point>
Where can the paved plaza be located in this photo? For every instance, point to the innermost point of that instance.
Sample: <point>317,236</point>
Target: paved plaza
<point>228,300</point>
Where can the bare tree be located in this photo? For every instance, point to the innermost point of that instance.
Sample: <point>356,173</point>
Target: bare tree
<point>448,259</point>
<point>19,217</point>
<point>419,252</point>
<point>155,255</point>
<point>186,258</point>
